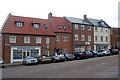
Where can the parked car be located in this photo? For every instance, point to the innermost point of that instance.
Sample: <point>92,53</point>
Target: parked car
<point>95,53</point>
<point>88,54</point>
<point>44,58</point>
<point>69,56</point>
<point>57,57</point>
<point>2,63</point>
<point>29,60</point>
<point>114,51</point>
<point>105,52</point>
<point>80,55</point>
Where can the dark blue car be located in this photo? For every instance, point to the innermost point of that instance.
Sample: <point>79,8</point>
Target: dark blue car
<point>95,53</point>
<point>88,53</point>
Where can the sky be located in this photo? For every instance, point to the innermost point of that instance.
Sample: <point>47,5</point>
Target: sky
<point>106,10</point>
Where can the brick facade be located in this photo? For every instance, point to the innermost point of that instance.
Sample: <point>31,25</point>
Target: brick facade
<point>115,38</point>
<point>20,42</point>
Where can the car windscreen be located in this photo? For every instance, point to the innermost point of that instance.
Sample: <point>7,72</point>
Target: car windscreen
<point>29,57</point>
<point>0,59</point>
<point>101,51</point>
<point>95,51</point>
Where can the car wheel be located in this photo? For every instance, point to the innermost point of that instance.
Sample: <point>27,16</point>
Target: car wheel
<point>78,58</point>
<point>54,60</point>
<point>3,66</point>
<point>65,59</point>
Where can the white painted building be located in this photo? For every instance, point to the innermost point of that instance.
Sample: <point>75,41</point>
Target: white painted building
<point>101,38</point>
<point>101,34</point>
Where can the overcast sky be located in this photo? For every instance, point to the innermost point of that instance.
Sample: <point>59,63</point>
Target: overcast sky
<point>97,9</point>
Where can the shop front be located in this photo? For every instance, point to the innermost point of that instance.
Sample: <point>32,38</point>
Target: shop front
<point>19,52</point>
<point>98,47</point>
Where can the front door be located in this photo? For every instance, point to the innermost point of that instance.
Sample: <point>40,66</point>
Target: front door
<point>24,54</point>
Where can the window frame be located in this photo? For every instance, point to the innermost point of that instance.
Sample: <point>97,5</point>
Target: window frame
<point>12,41</point>
<point>76,26</point>
<point>89,28</point>
<point>96,28</point>
<point>28,39</point>
<point>19,24</point>
<point>82,27</point>
<point>101,38</point>
<point>89,37</point>
<point>65,38</point>
<point>64,27</point>
<point>82,37</point>
<point>106,38</point>
<point>59,27</point>
<point>35,26</point>
<point>76,37</point>
<point>96,38</point>
<point>57,38</point>
<point>45,26</point>
<point>47,40</point>
<point>39,40</point>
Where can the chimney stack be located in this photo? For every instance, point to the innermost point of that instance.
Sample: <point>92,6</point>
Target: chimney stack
<point>85,16</point>
<point>50,15</point>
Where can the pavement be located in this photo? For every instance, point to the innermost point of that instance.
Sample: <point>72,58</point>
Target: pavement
<point>98,67</point>
<point>13,64</point>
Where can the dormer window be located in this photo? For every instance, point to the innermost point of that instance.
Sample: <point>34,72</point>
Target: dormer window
<point>19,24</point>
<point>45,25</point>
<point>59,27</point>
<point>36,25</point>
<point>64,27</point>
<point>102,23</point>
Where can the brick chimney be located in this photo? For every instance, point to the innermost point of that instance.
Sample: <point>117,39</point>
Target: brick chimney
<point>85,16</point>
<point>50,15</point>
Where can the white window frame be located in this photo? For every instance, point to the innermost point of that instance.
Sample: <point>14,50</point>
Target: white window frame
<point>25,39</point>
<point>89,29</point>
<point>76,26</point>
<point>82,37</point>
<point>76,37</point>
<point>47,40</point>
<point>57,38</point>
<point>89,37</point>
<point>83,27</point>
<point>65,38</point>
<point>19,24</point>
<point>36,26</point>
<point>38,39</point>
<point>11,40</point>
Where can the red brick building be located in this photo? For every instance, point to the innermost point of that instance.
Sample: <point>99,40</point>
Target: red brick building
<point>82,34</point>
<point>25,36</point>
<point>63,34</point>
<point>115,38</point>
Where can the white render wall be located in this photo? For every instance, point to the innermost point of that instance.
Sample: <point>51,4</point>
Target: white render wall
<point>100,33</point>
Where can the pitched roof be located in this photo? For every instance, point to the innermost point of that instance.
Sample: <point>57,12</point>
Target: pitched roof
<point>55,21</point>
<point>78,21</point>
<point>98,23</point>
<point>27,28</point>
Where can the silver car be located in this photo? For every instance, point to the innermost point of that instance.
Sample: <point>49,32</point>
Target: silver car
<point>57,57</point>
<point>105,52</point>
<point>29,60</point>
<point>2,63</point>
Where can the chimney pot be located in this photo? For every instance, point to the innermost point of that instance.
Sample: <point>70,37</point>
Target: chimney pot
<point>50,15</point>
<point>85,16</point>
